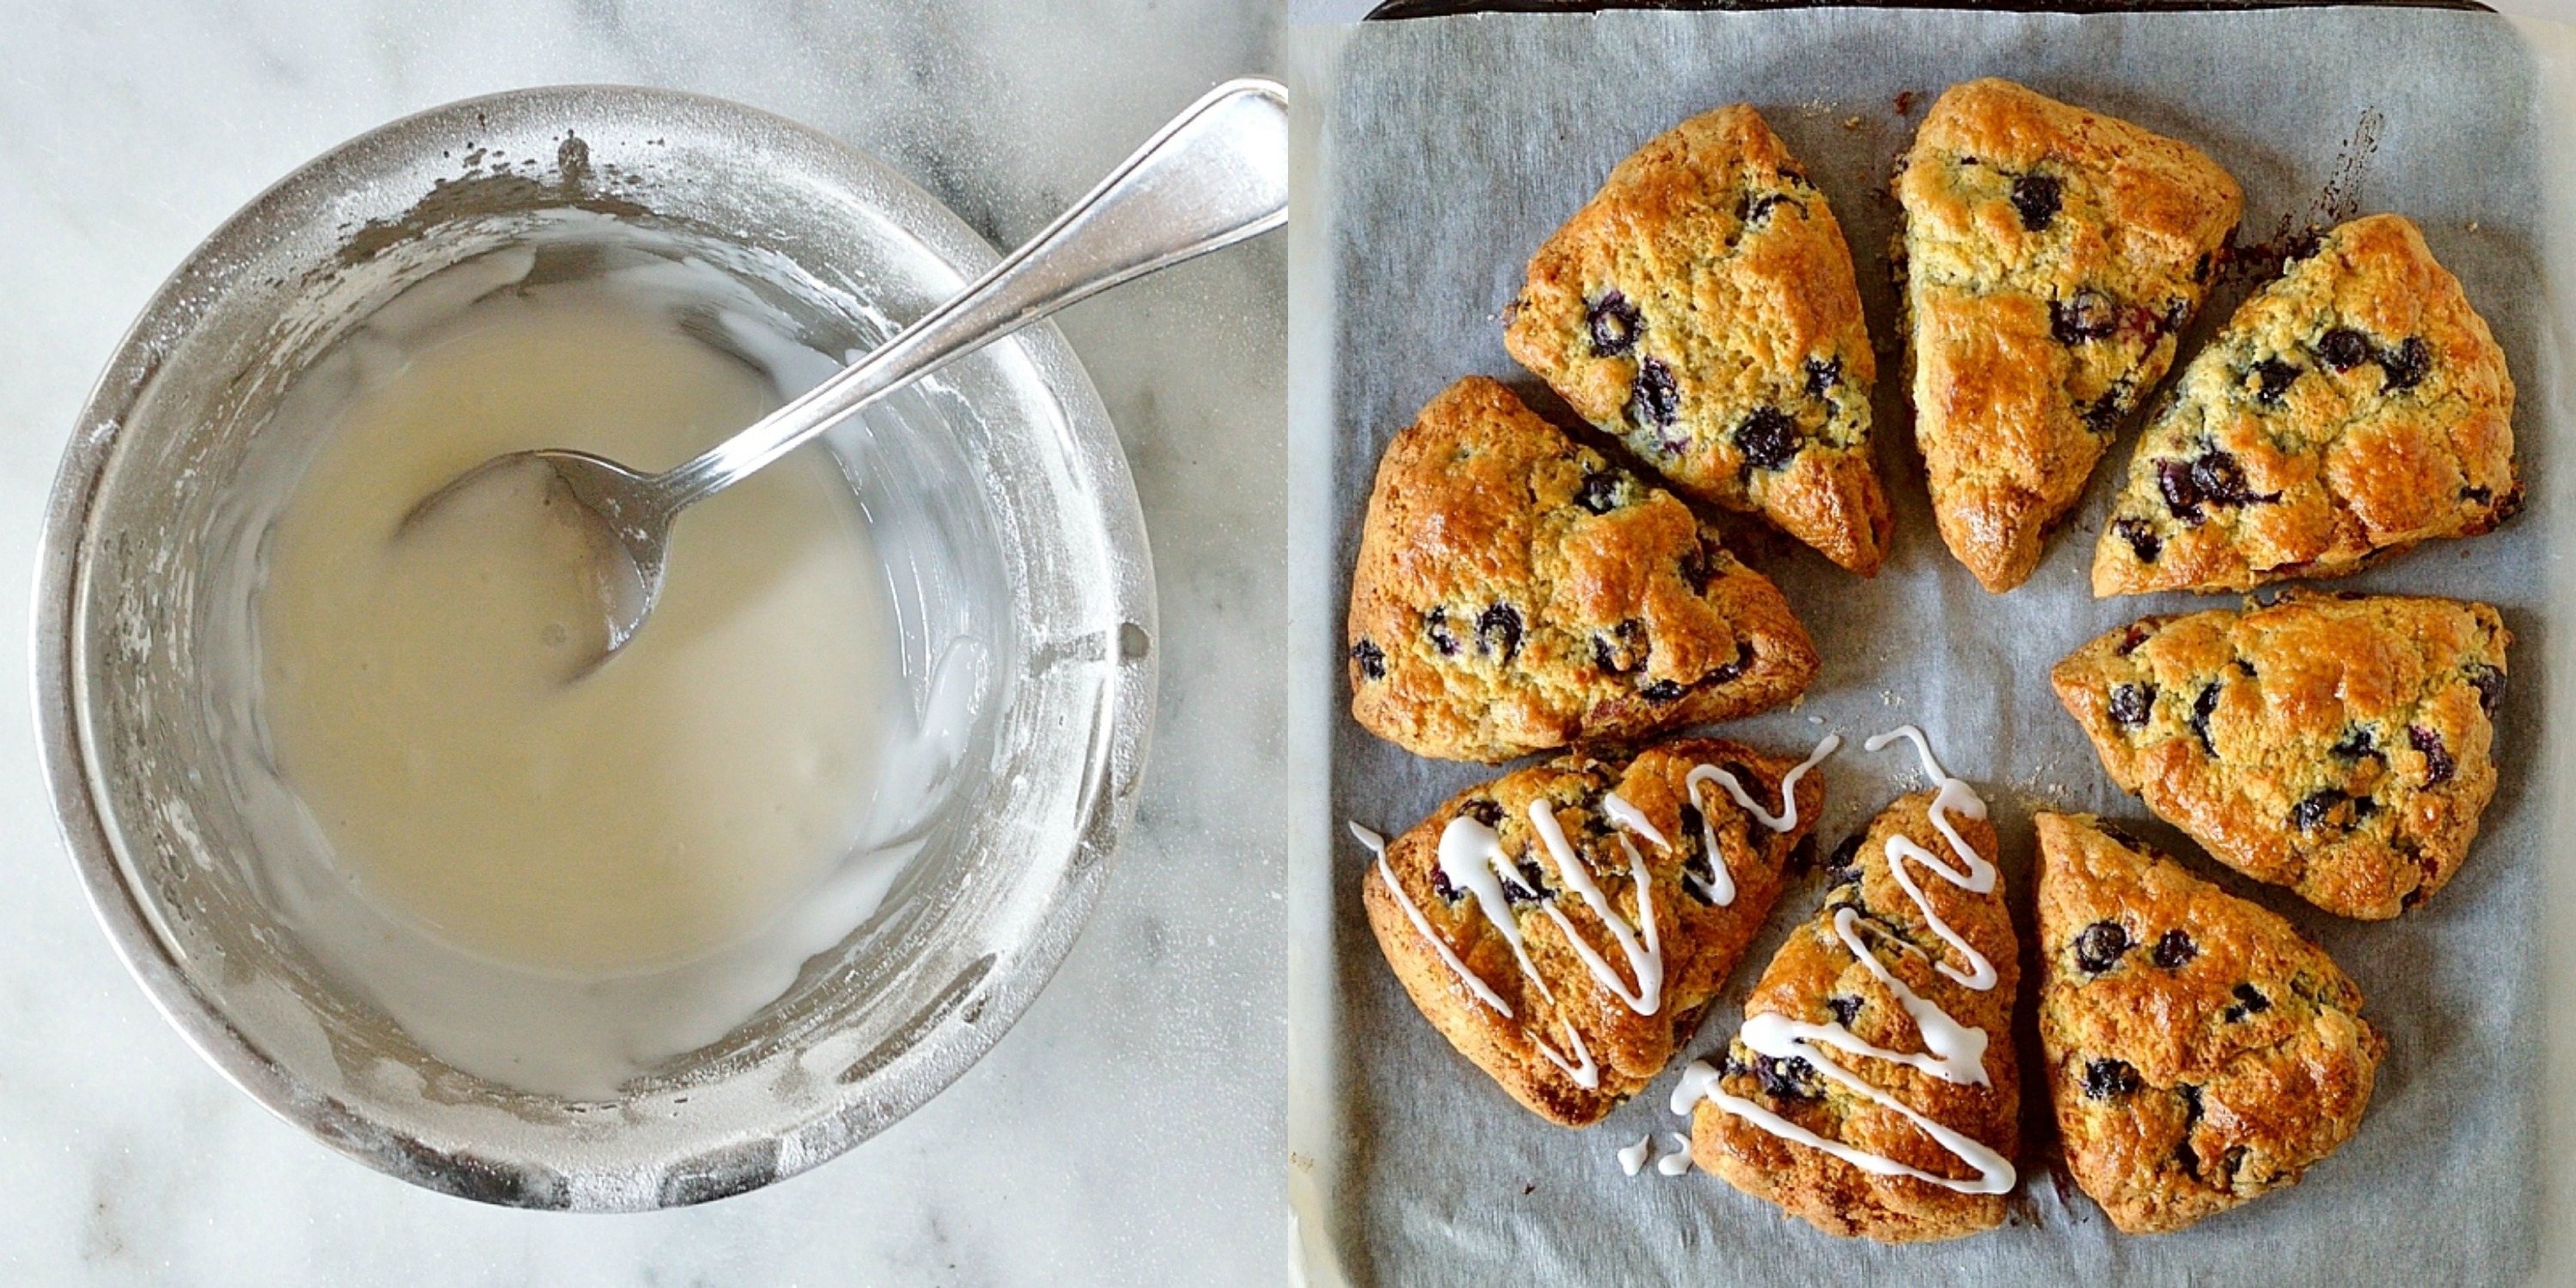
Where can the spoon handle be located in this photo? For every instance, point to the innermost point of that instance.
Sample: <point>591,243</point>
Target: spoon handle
<point>1213,177</point>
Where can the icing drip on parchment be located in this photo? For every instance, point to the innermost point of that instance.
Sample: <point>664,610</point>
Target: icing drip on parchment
<point>1678,1160</point>
<point>1954,1052</point>
<point>1632,1158</point>
<point>1672,1161</point>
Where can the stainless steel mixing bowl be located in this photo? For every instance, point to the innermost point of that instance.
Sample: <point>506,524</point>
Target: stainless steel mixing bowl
<point>1000,485</point>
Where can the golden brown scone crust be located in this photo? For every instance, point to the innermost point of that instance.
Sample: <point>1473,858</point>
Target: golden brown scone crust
<point>1702,308</point>
<point>2200,1054</point>
<point>2352,408</point>
<point>1701,939</point>
<point>2051,255</point>
<point>2338,745</point>
<point>1515,592</point>
<point>1811,970</point>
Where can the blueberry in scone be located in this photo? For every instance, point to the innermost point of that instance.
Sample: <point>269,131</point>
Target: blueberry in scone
<point>1873,1090</point>
<point>2200,1053</point>
<point>2354,407</point>
<point>1566,925</point>
<point>1516,592</point>
<point>2338,745</point>
<point>1702,308</point>
<point>2051,254</point>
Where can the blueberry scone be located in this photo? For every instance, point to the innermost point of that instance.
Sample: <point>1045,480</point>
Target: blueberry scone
<point>1702,308</point>
<point>2337,745</point>
<point>1516,592</point>
<point>1565,926</point>
<point>1873,1090</point>
<point>2200,1053</point>
<point>2354,407</point>
<point>2051,254</point>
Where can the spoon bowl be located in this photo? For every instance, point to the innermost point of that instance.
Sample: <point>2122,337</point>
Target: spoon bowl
<point>629,526</point>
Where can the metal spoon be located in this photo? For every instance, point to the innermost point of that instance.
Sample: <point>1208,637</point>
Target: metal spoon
<point>1216,175</point>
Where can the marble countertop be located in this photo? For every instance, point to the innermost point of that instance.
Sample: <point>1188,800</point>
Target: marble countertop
<point>1127,1130</point>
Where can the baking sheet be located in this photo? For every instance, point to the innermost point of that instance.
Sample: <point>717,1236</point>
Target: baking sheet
<point>1434,155</point>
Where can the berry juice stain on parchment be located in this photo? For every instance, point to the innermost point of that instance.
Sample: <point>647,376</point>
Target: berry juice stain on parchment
<point>2294,238</point>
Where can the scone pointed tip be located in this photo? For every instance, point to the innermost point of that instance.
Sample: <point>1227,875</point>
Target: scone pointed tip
<point>1702,308</point>
<point>2052,254</point>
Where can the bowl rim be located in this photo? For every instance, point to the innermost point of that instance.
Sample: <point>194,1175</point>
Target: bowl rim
<point>858,1110</point>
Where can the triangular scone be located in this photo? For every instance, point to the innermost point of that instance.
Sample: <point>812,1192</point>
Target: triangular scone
<point>2051,254</point>
<point>2338,745</point>
<point>1850,1151</point>
<point>2354,407</point>
<point>1569,1023</point>
<point>2200,1053</point>
<point>1516,592</point>
<point>1702,308</point>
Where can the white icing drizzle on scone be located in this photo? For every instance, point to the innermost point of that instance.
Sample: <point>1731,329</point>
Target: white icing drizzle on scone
<point>1581,1067</point>
<point>1957,1052</point>
<point>1979,878</point>
<point>1788,816</point>
<point>1377,846</point>
<point>1617,809</point>
<point>1645,961</point>
<point>1954,1052</point>
<point>1471,858</point>
<point>1720,883</point>
<point>1994,1171</point>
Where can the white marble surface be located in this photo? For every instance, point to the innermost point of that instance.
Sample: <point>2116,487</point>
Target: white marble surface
<point>1328,11</point>
<point>1127,1130</point>
<point>1301,12</point>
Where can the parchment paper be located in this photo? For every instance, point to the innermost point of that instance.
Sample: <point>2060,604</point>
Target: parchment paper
<point>1435,155</point>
